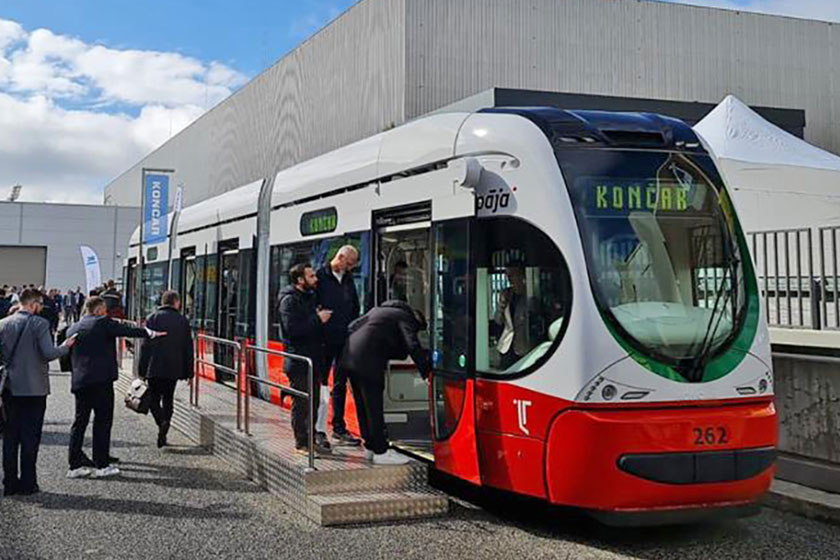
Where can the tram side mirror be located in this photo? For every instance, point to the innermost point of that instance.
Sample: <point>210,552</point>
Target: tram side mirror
<point>467,172</point>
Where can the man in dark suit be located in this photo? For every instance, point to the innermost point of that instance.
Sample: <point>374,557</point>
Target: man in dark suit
<point>95,369</point>
<point>164,361</point>
<point>387,332</point>
<point>336,292</point>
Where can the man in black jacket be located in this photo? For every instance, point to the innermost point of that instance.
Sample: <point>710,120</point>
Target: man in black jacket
<point>94,359</point>
<point>337,292</point>
<point>163,361</point>
<point>302,325</point>
<point>387,332</point>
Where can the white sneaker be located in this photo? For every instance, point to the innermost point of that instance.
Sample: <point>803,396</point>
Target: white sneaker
<point>390,457</point>
<point>110,470</point>
<point>368,455</point>
<point>79,472</point>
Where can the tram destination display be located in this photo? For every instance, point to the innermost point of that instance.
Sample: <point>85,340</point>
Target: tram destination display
<point>318,222</point>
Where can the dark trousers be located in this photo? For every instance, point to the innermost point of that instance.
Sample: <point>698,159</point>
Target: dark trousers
<point>369,396</point>
<point>163,400</point>
<point>98,399</point>
<point>21,440</point>
<point>339,389</point>
<point>299,379</point>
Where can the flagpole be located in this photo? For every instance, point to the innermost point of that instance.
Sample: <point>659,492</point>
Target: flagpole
<point>141,259</point>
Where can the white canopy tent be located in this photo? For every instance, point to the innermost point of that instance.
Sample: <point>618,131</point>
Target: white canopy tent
<point>779,181</point>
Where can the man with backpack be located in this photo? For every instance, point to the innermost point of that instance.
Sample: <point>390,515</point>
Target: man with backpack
<point>27,349</point>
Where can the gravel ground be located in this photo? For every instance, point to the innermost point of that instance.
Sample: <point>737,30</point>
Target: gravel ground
<point>184,503</point>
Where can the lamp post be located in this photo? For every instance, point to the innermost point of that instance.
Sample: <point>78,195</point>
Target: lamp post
<point>15,194</point>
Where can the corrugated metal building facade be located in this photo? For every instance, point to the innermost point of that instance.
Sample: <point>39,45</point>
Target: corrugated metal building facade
<point>386,61</point>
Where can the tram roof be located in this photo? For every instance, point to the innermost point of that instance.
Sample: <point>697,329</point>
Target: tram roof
<point>409,146</point>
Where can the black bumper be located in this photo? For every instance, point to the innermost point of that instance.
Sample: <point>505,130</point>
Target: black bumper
<point>699,468</point>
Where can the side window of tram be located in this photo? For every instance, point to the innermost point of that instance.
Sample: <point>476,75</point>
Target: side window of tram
<point>522,295</point>
<point>198,316</point>
<point>450,310</point>
<point>154,284</point>
<point>211,278</point>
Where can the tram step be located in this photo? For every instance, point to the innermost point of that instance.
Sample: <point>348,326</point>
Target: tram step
<point>371,507</point>
<point>412,476</point>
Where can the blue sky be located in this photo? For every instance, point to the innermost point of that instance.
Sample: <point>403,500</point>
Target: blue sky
<point>88,87</point>
<point>245,34</point>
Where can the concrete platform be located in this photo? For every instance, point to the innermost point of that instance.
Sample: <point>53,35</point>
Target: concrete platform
<point>343,488</point>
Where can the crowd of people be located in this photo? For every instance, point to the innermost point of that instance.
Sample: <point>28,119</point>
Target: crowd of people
<point>58,306</point>
<point>319,317</point>
<point>28,345</point>
<point>319,314</point>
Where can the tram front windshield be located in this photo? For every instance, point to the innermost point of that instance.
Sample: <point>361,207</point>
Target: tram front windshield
<point>660,239</point>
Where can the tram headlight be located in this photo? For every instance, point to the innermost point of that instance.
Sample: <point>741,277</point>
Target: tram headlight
<point>609,392</point>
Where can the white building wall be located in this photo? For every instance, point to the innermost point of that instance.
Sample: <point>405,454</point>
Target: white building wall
<point>62,228</point>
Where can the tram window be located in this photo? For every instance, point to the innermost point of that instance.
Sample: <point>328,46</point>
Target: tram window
<point>198,315</point>
<point>175,275</point>
<point>450,311</point>
<point>245,319</point>
<point>211,276</point>
<point>188,287</point>
<point>522,296</point>
<point>154,284</point>
<point>317,253</point>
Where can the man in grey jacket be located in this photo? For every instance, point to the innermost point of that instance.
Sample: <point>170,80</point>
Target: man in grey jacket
<point>28,349</point>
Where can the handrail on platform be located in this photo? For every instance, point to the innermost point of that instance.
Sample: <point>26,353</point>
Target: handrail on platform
<point>310,370</point>
<point>234,371</point>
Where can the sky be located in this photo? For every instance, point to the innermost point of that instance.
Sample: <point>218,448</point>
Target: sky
<point>88,87</point>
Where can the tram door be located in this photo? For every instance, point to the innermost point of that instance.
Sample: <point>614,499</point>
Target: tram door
<point>228,291</point>
<point>452,394</point>
<point>402,272</point>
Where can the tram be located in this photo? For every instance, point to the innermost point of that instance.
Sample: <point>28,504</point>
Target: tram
<point>595,326</point>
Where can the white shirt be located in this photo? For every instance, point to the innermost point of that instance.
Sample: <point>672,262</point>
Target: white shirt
<point>338,275</point>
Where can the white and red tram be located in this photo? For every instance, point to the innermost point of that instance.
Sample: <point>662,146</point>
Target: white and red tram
<point>638,382</point>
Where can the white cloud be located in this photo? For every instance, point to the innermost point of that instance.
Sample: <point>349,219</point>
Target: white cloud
<point>74,115</point>
<point>827,10</point>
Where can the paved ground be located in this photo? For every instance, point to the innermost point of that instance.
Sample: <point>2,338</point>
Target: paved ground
<point>183,503</point>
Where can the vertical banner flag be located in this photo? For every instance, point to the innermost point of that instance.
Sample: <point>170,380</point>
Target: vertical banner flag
<point>156,208</point>
<point>179,198</point>
<point>93,277</point>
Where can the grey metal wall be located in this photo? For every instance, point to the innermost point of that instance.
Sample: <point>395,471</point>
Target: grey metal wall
<point>631,48</point>
<point>62,228</point>
<point>385,61</point>
<point>343,84</point>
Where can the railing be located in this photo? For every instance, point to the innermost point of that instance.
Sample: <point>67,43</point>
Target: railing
<point>234,371</point>
<point>243,378</point>
<point>310,375</point>
<point>799,283</point>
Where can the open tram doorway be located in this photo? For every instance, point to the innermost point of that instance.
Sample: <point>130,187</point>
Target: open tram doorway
<point>228,299</point>
<point>402,271</point>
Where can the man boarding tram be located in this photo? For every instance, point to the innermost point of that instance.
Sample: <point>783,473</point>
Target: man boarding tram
<point>302,323</point>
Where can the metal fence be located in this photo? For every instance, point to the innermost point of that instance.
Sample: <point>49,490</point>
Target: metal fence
<point>798,276</point>
<point>243,357</point>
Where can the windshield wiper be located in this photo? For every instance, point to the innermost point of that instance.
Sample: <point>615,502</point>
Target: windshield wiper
<point>695,372</point>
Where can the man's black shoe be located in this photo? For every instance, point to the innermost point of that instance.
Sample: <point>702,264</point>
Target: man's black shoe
<point>28,491</point>
<point>113,460</point>
<point>322,441</point>
<point>345,438</point>
<point>9,491</point>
